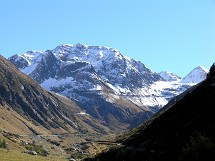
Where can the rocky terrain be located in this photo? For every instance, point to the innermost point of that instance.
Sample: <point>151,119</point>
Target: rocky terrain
<point>117,90</point>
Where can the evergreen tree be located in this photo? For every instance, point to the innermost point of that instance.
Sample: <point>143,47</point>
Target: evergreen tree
<point>211,74</point>
<point>200,148</point>
<point>4,144</point>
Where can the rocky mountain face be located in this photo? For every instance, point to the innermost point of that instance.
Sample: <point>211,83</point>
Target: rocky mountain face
<point>169,76</point>
<point>109,86</point>
<point>183,131</point>
<point>36,110</point>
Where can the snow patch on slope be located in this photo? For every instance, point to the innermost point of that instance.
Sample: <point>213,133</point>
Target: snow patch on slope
<point>52,82</point>
<point>169,90</point>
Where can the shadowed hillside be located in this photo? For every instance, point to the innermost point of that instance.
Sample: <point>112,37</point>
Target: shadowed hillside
<point>185,131</point>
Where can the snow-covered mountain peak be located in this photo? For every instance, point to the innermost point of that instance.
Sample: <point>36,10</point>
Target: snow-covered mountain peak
<point>107,62</point>
<point>197,75</point>
<point>33,55</point>
<point>202,68</point>
<point>169,76</point>
<point>86,53</point>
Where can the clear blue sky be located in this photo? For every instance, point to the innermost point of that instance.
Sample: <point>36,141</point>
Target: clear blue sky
<point>172,35</point>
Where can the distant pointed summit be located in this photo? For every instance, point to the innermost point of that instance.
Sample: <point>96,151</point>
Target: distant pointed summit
<point>197,75</point>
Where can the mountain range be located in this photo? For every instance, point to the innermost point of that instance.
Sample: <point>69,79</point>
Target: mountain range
<point>117,90</point>
<point>79,94</point>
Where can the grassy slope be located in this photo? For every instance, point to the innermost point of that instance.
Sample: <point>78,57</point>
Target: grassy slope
<point>14,152</point>
<point>19,156</point>
<point>12,122</point>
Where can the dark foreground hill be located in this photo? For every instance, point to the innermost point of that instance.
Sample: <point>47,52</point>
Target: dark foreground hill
<point>185,131</point>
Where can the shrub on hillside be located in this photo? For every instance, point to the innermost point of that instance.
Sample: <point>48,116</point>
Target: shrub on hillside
<point>200,148</point>
<point>3,144</point>
<point>37,148</point>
